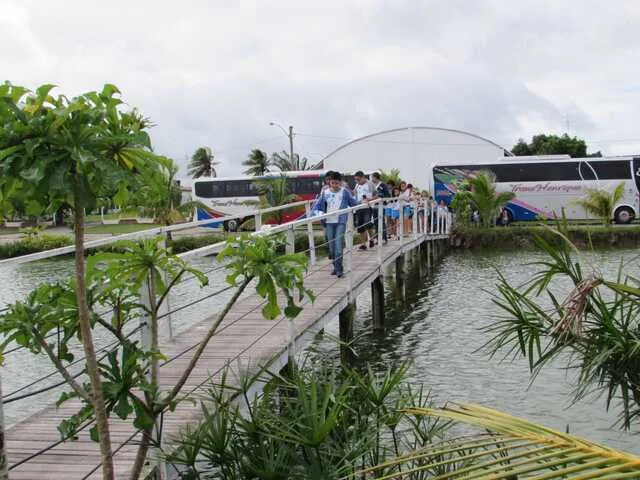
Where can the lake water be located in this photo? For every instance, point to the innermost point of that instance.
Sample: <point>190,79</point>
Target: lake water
<point>436,325</point>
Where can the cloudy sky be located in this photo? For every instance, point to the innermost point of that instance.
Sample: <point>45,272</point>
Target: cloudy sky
<point>217,72</point>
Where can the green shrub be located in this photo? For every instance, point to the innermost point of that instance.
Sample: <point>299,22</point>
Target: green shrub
<point>33,244</point>
<point>184,244</point>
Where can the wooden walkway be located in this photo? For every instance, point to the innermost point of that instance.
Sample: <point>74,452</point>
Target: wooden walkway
<point>244,337</point>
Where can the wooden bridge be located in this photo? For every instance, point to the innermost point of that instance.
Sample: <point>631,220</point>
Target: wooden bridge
<point>34,447</point>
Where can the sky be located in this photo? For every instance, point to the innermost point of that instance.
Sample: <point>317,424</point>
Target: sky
<point>216,73</point>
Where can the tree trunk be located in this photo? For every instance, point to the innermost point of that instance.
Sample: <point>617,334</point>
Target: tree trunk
<point>102,423</point>
<point>141,455</point>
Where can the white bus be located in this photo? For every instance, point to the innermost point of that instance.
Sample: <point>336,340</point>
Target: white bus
<point>239,196</point>
<point>544,186</point>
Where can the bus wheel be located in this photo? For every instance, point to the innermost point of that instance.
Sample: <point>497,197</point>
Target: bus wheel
<point>623,215</point>
<point>231,225</point>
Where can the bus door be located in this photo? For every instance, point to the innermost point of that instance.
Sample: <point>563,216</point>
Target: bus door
<point>635,164</point>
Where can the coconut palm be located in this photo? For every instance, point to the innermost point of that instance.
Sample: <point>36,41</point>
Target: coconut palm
<point>392,175</point>
<point>160,196</point>
<point>282,160</point>
<point>600,203</point>
<point>274,192</point>
<point>484,197</point>
<point>258,163</point>
<point>202,163</point>
<point>507,448</point>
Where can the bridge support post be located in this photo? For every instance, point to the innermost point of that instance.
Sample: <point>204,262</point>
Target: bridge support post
<point>400,276</point>
<point>377,303</point>
<point>400,263</point>
<point>429,250</point>
<point>345,319</point>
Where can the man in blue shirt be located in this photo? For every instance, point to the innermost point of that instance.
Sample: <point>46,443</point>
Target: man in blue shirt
<point>332,199</point>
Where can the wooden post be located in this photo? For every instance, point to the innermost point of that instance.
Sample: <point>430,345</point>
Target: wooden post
<point>291,241</point>
<point>166,309</point>
<point>433,219</point>
<point>310,238</point>
<point>429,249</point>
<point>345,319</point>
<point>380,207</point>
<point>258,221</point>
<point>414,219</point>
<point>401,220</point>
<point>377,302</point>
<point>347,253</point>
<point>425,217</point>
<point>400,263</point>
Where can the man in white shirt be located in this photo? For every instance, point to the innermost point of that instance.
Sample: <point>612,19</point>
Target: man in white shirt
<point>365,191</point>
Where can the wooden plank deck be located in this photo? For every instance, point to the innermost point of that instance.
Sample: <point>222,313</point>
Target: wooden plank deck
<point>244,337</point>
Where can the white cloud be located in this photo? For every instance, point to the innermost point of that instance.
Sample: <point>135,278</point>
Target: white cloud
<point>216,73</point>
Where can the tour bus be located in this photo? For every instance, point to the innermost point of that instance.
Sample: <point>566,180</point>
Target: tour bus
<point>544,186</point>
<point>240,196</point>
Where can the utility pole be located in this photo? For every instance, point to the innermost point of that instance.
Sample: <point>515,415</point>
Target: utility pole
<point>291,143</point>
<point>290,135</point>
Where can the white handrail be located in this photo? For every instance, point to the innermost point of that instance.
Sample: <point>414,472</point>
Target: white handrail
<point>209,249</point>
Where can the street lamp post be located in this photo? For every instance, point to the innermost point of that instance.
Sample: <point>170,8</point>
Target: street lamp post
<point>290,135</point>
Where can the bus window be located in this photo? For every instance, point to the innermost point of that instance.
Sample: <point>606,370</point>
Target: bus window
<point>612,169</point>
<point>209,189</point>
<point>237,188</point>
<point>587,171</point>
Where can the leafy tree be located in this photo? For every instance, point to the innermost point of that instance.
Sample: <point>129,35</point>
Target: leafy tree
<point>484,198</point>
<point>63,150</point>
<point>600,203</point>
<point>552,145</point>
<point>285,163</point>
<point>594,328</point>
<point>202,163</point>
<point>116,280</point>
<point>392,175</point>
<point>258,163</point>
<point>274,192</point>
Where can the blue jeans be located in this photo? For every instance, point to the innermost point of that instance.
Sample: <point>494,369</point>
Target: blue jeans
<point>335,236</point>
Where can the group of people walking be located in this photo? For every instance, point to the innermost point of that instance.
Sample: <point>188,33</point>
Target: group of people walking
<point>337,195</point>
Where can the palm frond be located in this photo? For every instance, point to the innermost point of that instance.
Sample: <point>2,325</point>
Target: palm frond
<point>513,449</point>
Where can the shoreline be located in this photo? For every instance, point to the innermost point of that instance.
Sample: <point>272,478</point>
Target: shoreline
<point>522,237</point>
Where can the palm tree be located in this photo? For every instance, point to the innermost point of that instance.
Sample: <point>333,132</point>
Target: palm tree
<point>505,448</point>
<point>161,197</point>
<point>392,175</point>
<point>594,330</point>
<point>484,197</point>
<point>275,192</point>
<point>258,163</point>
<point>202,163</point>
<point>283,161</point>
<point>600,203</point>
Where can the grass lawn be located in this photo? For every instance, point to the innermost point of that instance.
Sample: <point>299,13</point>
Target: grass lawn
<point>9,231</point>
<point>120,229</point>
<point>111,216</point>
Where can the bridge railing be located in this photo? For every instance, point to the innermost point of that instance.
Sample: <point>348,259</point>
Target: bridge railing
<point>427,220</point>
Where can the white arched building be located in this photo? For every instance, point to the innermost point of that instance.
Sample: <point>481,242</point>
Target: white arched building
<point>413,150</point>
